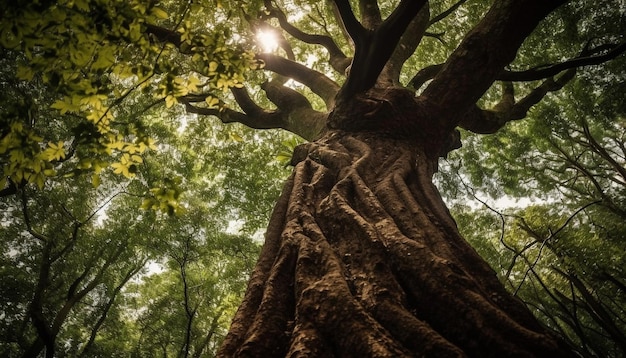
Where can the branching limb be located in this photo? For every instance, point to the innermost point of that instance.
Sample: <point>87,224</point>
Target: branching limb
<point>373,48</point>
<point>353,27</point>
<point>294,112</point>
<point>409,41</point>
<point>257,117</point>
<point>285,98</point>
<point>266,120</point>
<point>316,81</point>
<point>489,121</point>
<point>446,13</point>
<point>424,75</point>
<point>27,222</point>
<point>338,60</point>
<point>598,148</point>
<point>485,51</point>
<point>109,304</point>
<point>596,309</point>
<point>370,14</point>
<point>586,58</point>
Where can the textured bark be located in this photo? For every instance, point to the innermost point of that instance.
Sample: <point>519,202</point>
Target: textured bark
<point>362,259</point>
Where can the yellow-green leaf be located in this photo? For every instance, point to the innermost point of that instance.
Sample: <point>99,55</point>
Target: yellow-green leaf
<point>55,151</point>
<point>136,159</point>
<point>38,180</point>
<point>236,137</point>
<point>170,101</point>
<point>95,180</point>
<point>119,168</point>
<point>24,72</point>
<point>159,13</point>
<point>212,102</point>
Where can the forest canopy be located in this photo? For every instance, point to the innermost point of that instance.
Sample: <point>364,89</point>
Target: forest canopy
<point>143,145</point>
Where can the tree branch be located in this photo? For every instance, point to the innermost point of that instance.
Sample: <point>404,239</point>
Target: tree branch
<point>294,112</point>
<point>27,221</point>
<point>604,154</point>
<point>490,121</point>
<point>338,60</point>
<point>374,48</point>
<point>585,59</point>
<point>483,53</point>
<point>318,83</point>
<point>406,47</point>
<point>268,120</point>
<point>164,35</point>
<point>370,14</point>
<point>424,75</point>
<point>535,73</point>
<point>107,307</point>
<point>446,13</point>
<point>285,98</point>
<point>255,116</point>
<point>353,27</point>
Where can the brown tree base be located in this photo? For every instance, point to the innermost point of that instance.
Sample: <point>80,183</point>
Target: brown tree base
<point>362,259</point>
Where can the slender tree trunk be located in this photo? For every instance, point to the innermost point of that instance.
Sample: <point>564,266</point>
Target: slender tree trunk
<point>362,259</point>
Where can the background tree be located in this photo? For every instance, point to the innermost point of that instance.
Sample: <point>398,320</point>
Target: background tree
<point>360,241</point>
<point>70,247</point>
<point>564,254</point>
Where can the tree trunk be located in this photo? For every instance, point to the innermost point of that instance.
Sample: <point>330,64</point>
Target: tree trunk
<point>362,259</point>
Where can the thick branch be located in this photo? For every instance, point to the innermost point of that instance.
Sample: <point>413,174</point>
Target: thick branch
<point>535,73</point>
<point>370,14</point>
<point>316,81</point>
<point>285,98</point>
<point>481,56</point>
<point>406,47</point>
<point>298,115</point>
<point>294,112</point>
<point>374,48</point>
<point>319,83</point>
<point>267,120</point>
<point>257,117</point>
<point>585,59</point>
<point>489,121</point>
<point>353,27</point>
<point>424,75</point>
<point>338,60</point>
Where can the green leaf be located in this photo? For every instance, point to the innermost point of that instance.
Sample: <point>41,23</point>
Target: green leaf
<point>55,151</point>
<point>95,180</point>
<point>159,13</point>
<point>234,136</point>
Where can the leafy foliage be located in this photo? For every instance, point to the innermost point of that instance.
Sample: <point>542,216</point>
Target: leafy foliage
<point>85,51</point>
<point>82,238</point>
<point>563,254</point>
<point>84,137</point>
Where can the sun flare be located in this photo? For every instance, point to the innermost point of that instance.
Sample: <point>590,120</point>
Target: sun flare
<point>267,40</point>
